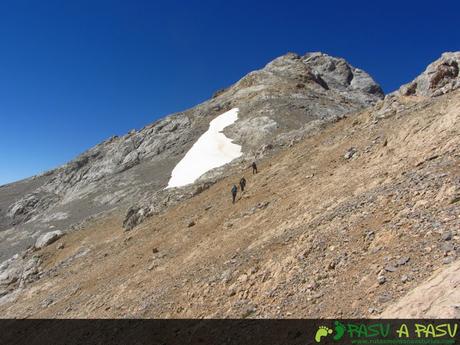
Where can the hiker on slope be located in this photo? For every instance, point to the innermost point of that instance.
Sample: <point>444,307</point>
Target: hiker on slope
<point>242,183</point>
<point>254,168</point>
<point>234,191</point>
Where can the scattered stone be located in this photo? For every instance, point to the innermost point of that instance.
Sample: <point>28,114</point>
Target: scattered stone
<point>153,265</point>
<point>384,298</point>
<point>404,260</point>
<point>243,278</point>
<point>404,278</point>
<point>447,260</point>
<point>226,276</point>
<point>248,311</point>
<point>262,205</point>
<point>47,302</point>
<point>191,223</point>
<point>312,286</point>
<point>350,153</point>
<point>332,265</point>
<point>455,199</point>
<point>446,236</point>
<point>228,225</point>
<point>369,236</point>
<point>381,279</point>
<point>390,268</point>
<point>317,295</point>
<point>231,291</point>
<point>258,206</point>
<point>60,246</point>
<point>447,247</point>
<point>155,250</point>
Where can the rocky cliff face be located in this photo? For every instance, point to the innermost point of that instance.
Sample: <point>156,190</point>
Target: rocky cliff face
<point>289,93</point>
<point>440,77</point>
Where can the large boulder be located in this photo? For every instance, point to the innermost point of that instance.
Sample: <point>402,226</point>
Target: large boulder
<point>48,238</point>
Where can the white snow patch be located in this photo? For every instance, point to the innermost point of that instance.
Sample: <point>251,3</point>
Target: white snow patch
<point>212,150</point>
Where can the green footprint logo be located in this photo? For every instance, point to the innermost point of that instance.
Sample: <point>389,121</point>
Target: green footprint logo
<point>322,331</point>
<point>339,330</point>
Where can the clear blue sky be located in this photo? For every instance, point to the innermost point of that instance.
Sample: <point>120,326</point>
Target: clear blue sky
<point>73,73</point>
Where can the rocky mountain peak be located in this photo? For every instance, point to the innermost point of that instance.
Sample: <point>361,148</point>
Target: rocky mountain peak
<point>339,73</point>
<point>318,72</point>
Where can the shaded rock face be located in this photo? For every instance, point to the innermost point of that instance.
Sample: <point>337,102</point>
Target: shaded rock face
<point>289,93</point>
<point>440,77</point>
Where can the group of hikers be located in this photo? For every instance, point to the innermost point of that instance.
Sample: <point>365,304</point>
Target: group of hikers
<point>242,183</point>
